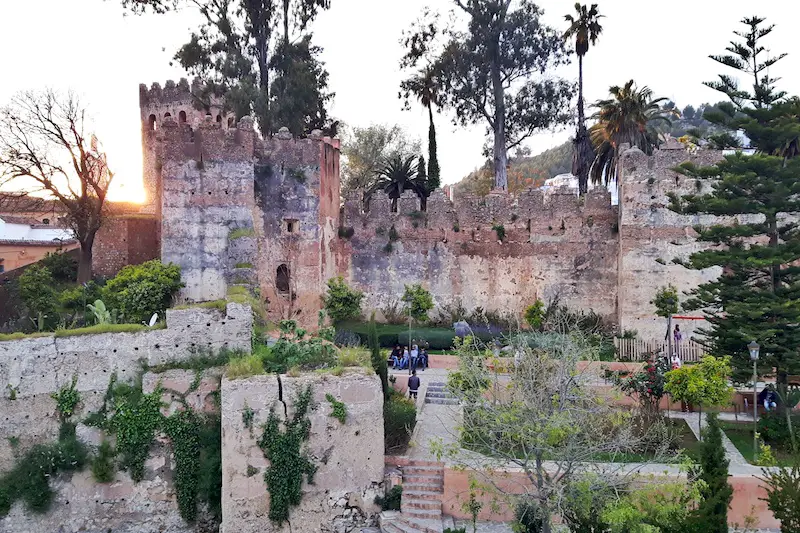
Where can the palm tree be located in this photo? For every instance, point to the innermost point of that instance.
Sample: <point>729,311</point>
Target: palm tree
<point>398,174</point>
<point>627,117</point>
<point>423,85</point>
<point>585,28</point>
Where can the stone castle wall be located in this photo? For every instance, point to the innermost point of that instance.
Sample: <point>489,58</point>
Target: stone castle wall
<point>34,368</point>
<point>555,244</point>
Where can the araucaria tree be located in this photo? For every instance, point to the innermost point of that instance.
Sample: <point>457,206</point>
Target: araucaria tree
<point>237,54</point>
<point>584,28</point>
<point>757,294</point>
<point>45,150</point>
<point>492,73</point>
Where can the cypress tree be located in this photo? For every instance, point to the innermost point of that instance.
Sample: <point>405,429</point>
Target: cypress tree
<point>711,516</point>
<point>433,162</point>
<point>378,361</point>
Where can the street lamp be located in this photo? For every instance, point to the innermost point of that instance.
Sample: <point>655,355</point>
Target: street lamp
<point>753,347</point>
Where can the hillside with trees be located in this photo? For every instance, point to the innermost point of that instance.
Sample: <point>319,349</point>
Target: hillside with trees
<point>524,171</point>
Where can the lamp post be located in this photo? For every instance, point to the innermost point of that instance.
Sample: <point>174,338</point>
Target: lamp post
<point>753,347</point>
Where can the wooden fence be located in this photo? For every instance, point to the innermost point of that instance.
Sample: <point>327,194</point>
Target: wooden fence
<point>640,350</point>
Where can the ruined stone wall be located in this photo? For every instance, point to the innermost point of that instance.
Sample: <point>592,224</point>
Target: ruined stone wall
<point>207,196</point>
<point>652,236</point>
<point>349,457</point>
<point>125,240</point>
<point>34,368</point>
<point>296,217</point>
<point>553,244</point>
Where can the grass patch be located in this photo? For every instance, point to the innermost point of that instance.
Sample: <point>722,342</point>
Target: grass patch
<point>220,305</point>
<point>199,361</point>
<point>19,335</point>
<point>354,357</point>
<point>244,265</point>
<point>241,232</point>
<point>241,295</point>
<point>107,328</point>
<point>246,366</point>
<point>741,435</point>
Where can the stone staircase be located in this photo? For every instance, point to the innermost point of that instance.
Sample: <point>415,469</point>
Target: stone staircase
<point>421,505</point>
<point>437,393</point>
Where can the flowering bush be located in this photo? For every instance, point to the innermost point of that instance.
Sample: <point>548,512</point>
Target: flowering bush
<point>647,385</point>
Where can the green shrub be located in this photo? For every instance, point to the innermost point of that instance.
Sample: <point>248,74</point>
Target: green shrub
<point>528,516</point>
<point>62,266</point>
<point>456,530</point>
<point>783,496</point>
<point>392,500</point>
<point>138,291</point>
<point>341,302</point>
<point>103,463</point>
<point>534,314</point>
<point>399,419</point>
<point>418,301</point>
<point>36,291</point>
<point>77,298</point>
<point>500,230</point>
<point>353,357</point>
<point>241,232</point>
<point>294,350</point>
<point>774,429</point>
<point>345,232</point>
<point>583,504</point>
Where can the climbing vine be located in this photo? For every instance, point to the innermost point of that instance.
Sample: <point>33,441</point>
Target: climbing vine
<point>67,399</point>
<point>135,422</point>
<point>338,409</point>
<point>281,443</point>
<point>183,429</point>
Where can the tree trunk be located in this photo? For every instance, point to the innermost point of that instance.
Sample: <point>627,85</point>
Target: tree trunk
<point>85,261</point>
<point>542,497</point>
<point>583,151</point>
<point>500,156</point>
<point>286,21</point>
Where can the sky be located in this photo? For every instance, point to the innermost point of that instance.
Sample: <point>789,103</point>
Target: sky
<point>90,46</point>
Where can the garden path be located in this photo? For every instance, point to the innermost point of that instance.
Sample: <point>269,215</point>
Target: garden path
<point>738,464</point>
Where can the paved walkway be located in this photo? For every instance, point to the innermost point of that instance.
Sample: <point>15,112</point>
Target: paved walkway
<point>738,464</point>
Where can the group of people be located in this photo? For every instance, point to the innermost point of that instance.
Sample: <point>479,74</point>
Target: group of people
<point>402,358</point>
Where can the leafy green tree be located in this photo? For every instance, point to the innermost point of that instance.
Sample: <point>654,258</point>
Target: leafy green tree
<point>488,74</point>
<point>629,116</point>
<point>365,150</point>
<point>688,112</point>
<point>534,315</point>
<point>711,513</point>
<point>585,28</point>
<point>36,290</point>
<point>418,302</point>
<point>238,53</point>
<point>341,301</point>
<point>62,265</point>
<point>746,58</point>
<point>377,358</point>
<point>138,291</point>
<point>705,383</point>
<point>666,301</point>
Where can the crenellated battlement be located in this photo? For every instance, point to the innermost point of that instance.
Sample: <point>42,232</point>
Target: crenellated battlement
<point>171,92</point>
<point>475,211</point>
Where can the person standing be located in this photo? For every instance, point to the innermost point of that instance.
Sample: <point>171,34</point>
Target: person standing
<point>678,336</point>
<point>413,384</point>
<point>414,358</point>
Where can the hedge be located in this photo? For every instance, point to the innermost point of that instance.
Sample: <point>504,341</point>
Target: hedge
<point>390,335</point>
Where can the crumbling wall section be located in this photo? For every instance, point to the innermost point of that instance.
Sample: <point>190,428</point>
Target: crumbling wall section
<point>348,457</point>
<point>554,244</point>
<point>32,369</point>
<point>297,191</point>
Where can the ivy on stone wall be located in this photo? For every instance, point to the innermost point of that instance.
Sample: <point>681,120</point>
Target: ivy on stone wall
<point>281,443</point>
<point>338,409</point>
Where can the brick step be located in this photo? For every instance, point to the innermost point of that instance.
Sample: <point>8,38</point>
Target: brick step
<point>425,525</point>
<point>423,470</point>
<point>420,504</point>
<point>442,394</point>
<point>422,478</point>
<point>417,495</point>
<point>423,487</point>
<point>399,527</point>
<point>420,462</point>
<point>442,401</point>
<point>425,514</point>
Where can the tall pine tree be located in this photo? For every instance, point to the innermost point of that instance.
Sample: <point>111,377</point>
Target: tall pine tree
<point>758,294</point>
<point>711,516</point>
<point>377,359</point>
